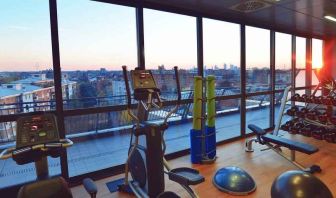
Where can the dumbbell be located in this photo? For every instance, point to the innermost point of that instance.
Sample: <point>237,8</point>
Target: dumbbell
<point>296,128</point>
<point>312,115</point>
<point>327,100</point>
<point>332,120</point>
<point>304,98</point>
<point>307,130</point>
<point>319,133</point>
<point>330,136</point>
<point>323,118</point>
<point>333,101</point>
<point>316,99</point>
<point>296,97</point>
<point>302,113</point>
<point>286,126</point>
<point>292,111</point>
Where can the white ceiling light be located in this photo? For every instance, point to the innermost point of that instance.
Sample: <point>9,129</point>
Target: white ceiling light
<point>331,18</point>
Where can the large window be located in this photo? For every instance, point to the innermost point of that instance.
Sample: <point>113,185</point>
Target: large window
<point>258,111</point>
<point>170,40</point>
<point>300,75</point>
<point>26,76</point>
<point>221,43</point>
<point>257,60</point>
<point>96,39</point>
<point>283,60</point>
<point>317,60</point>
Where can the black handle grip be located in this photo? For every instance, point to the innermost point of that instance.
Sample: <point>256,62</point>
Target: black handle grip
<point>128,91</point>
<point>178,85</point>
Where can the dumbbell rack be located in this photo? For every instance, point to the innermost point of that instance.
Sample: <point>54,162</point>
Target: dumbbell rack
<point>309,121</point>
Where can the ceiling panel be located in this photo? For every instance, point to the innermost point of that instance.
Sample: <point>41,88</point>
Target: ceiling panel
<point>303,17</point>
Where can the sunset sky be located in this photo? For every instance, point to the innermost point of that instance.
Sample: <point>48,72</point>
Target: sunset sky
<point>94,35</point>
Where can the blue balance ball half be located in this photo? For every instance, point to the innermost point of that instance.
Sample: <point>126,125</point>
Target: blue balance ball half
<point>234,180</point>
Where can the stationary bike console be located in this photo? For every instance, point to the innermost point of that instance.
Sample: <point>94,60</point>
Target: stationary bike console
<point>36,137</point>
<point>38,129</point>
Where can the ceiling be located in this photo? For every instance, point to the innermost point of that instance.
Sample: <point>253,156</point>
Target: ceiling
<point>302,17</point>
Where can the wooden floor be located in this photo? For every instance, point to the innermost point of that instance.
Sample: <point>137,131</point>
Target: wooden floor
<point>263,166</point>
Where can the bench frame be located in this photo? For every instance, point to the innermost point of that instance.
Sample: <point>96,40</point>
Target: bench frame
<point>277,148</point>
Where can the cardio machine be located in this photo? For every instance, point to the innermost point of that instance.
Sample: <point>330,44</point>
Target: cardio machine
<point>37,137</point>
<point>146,160</point>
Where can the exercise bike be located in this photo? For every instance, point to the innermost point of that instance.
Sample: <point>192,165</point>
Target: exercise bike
<point>37,137</point>
<point>146,160</point>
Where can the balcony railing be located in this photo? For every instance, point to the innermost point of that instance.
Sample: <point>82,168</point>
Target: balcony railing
<point>119,121</point>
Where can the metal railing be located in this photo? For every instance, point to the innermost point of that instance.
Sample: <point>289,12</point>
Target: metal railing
<point>119,121</point>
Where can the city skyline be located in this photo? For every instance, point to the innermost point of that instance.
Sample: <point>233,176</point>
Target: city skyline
<point>94,35</point>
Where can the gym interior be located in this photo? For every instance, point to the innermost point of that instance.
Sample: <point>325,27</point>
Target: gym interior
<point>176,98</point>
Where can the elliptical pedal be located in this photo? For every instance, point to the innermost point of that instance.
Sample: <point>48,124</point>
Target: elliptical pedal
<point>185,176</point>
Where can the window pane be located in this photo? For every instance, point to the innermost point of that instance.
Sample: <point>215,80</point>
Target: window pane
<point>96,39</point>
<point>317,59</point>
<point>257,59</point>
<point>300,76</point>
<point>102,140</point>
<point>26,76</point>
<point>227,119</point>
<point>283,60</point>
<point>221,42</point>
<point>170,40</point>
<point>258,111</point>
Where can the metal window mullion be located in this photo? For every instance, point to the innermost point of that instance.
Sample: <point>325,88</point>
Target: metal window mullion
<point>58,82</point>
<point>272,72</point>
<point>293,67</point>
<point>200,61</point>
<point>243,80</point>
<point>140,37</point>
<point>308,64</point>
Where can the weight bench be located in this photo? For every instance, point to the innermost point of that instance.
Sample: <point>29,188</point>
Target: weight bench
<point>275,143</point>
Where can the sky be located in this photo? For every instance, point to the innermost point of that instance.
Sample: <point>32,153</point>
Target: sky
<point>94,35</point>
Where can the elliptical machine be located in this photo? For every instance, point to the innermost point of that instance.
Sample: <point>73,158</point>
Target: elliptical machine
<point>146,161</point>
<point>37,137</point>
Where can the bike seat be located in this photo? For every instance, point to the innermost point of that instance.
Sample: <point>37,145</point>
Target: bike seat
<point>185,176</point>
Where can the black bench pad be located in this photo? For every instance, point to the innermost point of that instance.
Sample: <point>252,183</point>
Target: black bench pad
<point>291,144</point>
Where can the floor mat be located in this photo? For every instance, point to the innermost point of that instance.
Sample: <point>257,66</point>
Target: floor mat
<point>113,186</point>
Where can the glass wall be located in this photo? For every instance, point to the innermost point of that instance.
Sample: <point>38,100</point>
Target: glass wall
<point>257,60</point>
<point>300,75</point>
<point>283,60</point>
<point>170,40</point>
<point>221,51</point>
<point>317,60</point>
<point>26,76</point>
<point>96,39</point>
<point>91,67</point>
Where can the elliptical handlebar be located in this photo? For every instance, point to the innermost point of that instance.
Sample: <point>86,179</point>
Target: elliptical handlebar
<point>128,91</point>
<point>178,85</point>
